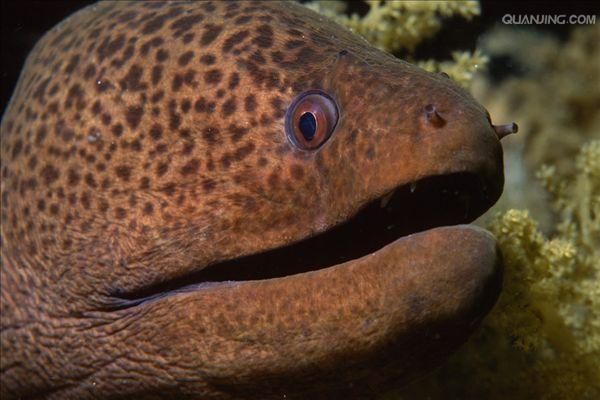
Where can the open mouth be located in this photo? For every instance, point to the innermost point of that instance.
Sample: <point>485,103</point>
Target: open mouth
<point>427,203</point>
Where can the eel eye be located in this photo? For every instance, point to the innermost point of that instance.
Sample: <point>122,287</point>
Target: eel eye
<point>310,119</point>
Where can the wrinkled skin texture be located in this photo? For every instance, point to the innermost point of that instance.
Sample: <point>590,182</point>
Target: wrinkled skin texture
<point>146,141</point>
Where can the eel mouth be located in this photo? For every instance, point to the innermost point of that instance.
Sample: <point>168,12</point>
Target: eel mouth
<point>431,202</point>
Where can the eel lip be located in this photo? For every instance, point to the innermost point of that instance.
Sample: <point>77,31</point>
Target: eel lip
<point>450,199</point>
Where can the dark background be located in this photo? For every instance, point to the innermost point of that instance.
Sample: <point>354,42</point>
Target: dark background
<point>25,21</point>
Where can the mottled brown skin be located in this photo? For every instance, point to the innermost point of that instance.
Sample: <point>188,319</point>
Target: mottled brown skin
<point>145,141</point>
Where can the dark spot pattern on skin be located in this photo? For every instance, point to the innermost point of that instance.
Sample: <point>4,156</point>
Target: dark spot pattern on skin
<point>120,213</point>
<point>370,153</point>
<point>208,185</point>
<point>156,23</point>
<point>200,105</point>
<point>351,137</point>
<point>191,167</point>
<point>211,32</point>
<point>258,58</point>
<point>168,189</point>
<point>234,81</point>
<point>229,107</point>
<point>106,183</point>
<point>54,209</point>
<point>117,130</point>
<point>242,152</point>
<point>232,7</point>
<point>132,81</point>
<point>188,77</point>
<point>106,119</point>
<point>265,37</point>
<point>145,183</point>
<point>185,58</point>
<point>127,16</point>
<point>63,132</point>
<point>49,174</point>
<point>160,148</point>
<point>73,62</point>
<point>73,177</point>
<point>162,169</point>
<point>263,162</point>
<point>294,44</point>
<point>177,82</point>
<point>123,172</point>
<point>156,132</point>
<point>187,38</point>
<point>32,163</point>
<point>148,208</point>
<point>40,91</point>
<point>186,105</point>
<point>208,59</point>
<point>242,19</point>
<point>297,171</point>
<point>103,206</point>
<point>136,145</point>
<point>156,74</point>
<point>103,85</point>
<point>213,76</point>
<point>156,97</point>
<point>16,150</point>
<point>234,39</point>
<point>153,43</point>
<point>75,97</point>
<point>210,135</point>
<point>96,107</point>
<point>237,132</point>
<point>184,133</point>
<point>133,116</point>
<point>208,6</point>
<point>90,180</point>
<point>132,200</point>
<point>278,108</point>
<point>250,103</point>
<point>184,24</point>
<point>174,121</point>
<point>162,55</point>
<point>108,48</point>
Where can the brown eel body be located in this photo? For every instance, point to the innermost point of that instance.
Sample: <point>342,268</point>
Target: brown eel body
<point>163,235</point>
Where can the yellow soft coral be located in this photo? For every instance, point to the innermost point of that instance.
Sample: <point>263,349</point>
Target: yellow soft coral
<point>394,25</point>
<point>461,69</point>
<point>402,25</point>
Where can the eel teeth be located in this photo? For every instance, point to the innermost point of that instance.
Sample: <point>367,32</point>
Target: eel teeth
<point>386,199</point>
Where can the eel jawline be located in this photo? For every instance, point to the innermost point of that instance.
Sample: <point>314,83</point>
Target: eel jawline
<point>417,206</point>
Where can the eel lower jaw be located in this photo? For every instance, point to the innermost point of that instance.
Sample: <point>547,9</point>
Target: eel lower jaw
<point>375,305</point>
<point>431,202</point>
<point>345,331</point>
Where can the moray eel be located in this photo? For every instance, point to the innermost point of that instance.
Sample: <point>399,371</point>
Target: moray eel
<point>222,200</point>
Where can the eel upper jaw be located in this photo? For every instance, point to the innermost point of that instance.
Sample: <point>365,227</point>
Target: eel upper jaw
<point>434,201</point>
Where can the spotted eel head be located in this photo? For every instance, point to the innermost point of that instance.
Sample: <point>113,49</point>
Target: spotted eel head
<point>149,141</point>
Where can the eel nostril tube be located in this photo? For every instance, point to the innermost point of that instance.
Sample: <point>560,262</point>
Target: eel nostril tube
<point>433,116</point>
<point>506,129</point>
